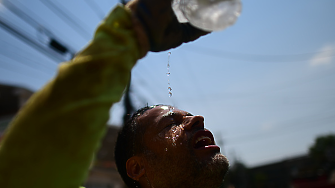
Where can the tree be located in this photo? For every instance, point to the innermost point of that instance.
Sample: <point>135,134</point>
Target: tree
<point>323,150</point>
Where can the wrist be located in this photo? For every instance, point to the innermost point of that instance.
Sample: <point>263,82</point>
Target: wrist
<point>140,32</point>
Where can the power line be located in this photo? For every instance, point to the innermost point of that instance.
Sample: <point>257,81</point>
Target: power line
<point>196,83</point>
<point>11,54</point>
<point>15,72</point>
<point>284,129</point>
<point>272,88</point>
<point>28,19</point>
<point>21,61</point>
<point>48,52</point>
<point>95,8</point>
<point>26,65</point>
<point>67,18</point>
<point>255,57</point>
<point>14,58</point>
<point>18,82</point>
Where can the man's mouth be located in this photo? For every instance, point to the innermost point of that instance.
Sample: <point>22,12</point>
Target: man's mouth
<point>203,139</point>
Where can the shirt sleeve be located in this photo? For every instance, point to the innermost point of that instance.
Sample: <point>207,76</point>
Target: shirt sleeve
<point>52,140</point>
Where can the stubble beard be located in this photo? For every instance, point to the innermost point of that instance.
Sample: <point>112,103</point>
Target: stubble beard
<point>186,171</point>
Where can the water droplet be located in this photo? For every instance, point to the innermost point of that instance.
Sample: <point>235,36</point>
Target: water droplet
<point>168,74</point>
<point>166,149</point>
<point>170,109</point>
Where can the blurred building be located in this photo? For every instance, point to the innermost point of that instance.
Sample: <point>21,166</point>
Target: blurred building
<point>297,172</point>
<point>11,100</point>
<point>103,173</point>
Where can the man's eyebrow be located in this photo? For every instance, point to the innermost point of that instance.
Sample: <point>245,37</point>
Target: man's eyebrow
<point>169,114</point>
<point>189,114</point>
<point>166,116</point>
<point>173,114</point>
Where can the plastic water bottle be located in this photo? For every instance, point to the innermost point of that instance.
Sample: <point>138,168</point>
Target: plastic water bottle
<point>208,15</point>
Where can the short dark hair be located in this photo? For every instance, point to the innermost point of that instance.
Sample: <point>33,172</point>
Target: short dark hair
<point>129,143</point>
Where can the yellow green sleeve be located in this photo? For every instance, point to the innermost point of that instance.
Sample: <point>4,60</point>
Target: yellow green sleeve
<point>52,140</point>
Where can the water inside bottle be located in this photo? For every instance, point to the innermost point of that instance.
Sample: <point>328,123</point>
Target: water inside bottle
<point>208,15</point>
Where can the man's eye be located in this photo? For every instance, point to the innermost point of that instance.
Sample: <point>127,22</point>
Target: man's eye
<point>172,124</point>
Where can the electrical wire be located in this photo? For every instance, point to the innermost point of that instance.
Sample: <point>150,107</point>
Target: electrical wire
<point>195,83</point>
<point>18,32</point>
<point>20,35</point>
<point>254,57</point>
<point>66,17</point>
<point>95,8</point>
<point>301,123</point>
<point>272,88</point>
<point>31,67</point>
<point>21,52</point>
<point>265,136</point>
<point>26,60</point>
<point>13,72</point>
<point>32,22</point>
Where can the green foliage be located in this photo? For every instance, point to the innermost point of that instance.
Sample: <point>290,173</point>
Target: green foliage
<point>237,176</point>
<point>323,148</point>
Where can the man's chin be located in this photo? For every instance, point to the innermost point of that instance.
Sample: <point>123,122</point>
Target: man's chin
<point>216,162</point>
<point>214,171</point>
<point>220,164</point>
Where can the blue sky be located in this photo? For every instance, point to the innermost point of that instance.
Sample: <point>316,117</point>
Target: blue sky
<point>265,85</point>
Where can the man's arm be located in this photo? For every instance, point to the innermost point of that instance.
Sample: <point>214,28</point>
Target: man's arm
<point>52,140</point>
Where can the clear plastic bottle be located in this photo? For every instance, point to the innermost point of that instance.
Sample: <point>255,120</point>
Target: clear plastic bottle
<point>209,15</point>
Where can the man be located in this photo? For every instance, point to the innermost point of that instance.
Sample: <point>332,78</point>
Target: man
<point>52,140</point>
<point>162,146</point>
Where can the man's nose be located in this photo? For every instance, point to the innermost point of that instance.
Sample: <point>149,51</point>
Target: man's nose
<point>193,122</point>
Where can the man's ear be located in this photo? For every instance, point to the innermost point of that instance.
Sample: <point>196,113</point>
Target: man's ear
<point>135,168</point>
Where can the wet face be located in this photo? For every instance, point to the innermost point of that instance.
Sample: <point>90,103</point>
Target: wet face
<point>179,151</point>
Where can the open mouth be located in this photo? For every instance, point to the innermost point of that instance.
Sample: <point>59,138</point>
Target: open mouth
<point>202,139</point>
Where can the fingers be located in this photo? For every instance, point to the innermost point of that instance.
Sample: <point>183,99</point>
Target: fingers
<point>156,3</point>
<point>191,33</point>
<point>161,25</point>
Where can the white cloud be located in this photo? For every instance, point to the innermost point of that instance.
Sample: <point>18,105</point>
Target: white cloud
<point>325,56</point>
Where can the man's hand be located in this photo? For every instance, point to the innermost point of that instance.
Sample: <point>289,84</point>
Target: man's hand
<point>161,25</point>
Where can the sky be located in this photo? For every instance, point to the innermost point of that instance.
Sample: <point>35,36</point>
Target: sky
<point>264,85</point>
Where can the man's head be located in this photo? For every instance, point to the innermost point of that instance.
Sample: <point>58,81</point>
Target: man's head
<point>167,147</point>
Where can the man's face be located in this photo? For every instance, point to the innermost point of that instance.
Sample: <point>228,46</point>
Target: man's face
<point>179,151</point>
